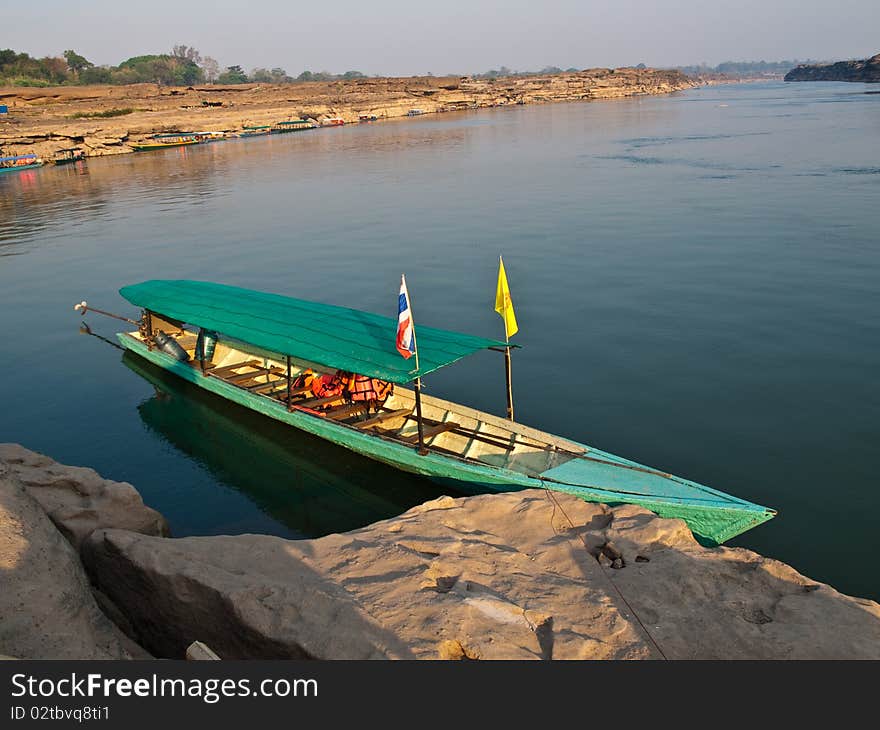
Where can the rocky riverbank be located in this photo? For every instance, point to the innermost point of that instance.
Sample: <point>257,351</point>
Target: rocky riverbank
<point>44,120</point>
<point>88,571</point>
<point>866,71</point>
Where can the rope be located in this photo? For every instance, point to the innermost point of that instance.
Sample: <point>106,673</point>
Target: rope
<point>556,505</point>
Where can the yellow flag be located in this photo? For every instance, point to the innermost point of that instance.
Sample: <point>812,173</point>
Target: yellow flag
<point>503,304</point>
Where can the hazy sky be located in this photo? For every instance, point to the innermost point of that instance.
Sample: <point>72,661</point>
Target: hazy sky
<point>395,37</point>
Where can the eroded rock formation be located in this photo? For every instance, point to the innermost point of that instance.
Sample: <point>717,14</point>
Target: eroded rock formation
<point>47,610</point>
<point>525,575</point>
<point>43,120</point>
<point>77,499</point>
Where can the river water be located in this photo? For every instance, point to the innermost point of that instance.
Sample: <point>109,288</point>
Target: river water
<point>696,278</point>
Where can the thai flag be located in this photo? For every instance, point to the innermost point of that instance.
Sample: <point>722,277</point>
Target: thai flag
<point>406,337</point>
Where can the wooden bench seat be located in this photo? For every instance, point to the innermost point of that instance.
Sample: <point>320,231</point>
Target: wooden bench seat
<point>347,411</point>
<point>486,438</point>
<point>380,418</point>
<point>318,402</point>
<point>221,371</point>
<point>271,385</point>
<point>239,377</point>
<point>431,432</point>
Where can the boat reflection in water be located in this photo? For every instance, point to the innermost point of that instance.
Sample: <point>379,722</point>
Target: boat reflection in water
<point>310,485</point>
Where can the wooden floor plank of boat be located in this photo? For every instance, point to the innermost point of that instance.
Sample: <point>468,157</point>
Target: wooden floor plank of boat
<point>239,377</point>
<point>342,412</point>
<point>431,432</point>
<point>382,417</point>
<point>471,433</point>
<point>270,386</point>
<point>221,371</point>
<point>318,402</point>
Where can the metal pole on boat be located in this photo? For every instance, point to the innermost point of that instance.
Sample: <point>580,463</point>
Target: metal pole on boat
<point>83,307</point>
<point>418,381</point>
<point>504,307</point>
<point>509,384</point>
<point>148,325</point>
<point>418,392</point>
<point>288,382</point>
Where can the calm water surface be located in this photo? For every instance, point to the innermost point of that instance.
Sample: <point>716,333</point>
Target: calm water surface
<point>696,277</point>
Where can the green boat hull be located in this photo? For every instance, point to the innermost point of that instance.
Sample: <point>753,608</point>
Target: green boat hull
<point>21,167</point>
<point>712,516</point>
<point>160,145</point>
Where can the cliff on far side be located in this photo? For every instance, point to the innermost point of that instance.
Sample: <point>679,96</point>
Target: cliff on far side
<point>866,71</point>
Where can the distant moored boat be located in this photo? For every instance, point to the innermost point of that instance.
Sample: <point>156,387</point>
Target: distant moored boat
<point>69,155</point>
<point>161,141</point>
<point>19,162</point>
<point>292,125</point>
<point>256,131</point>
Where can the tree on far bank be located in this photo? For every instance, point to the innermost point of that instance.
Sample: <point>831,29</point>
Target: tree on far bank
<point>76,63</point>
<point>327,76</point>
<point>211,69</point>
<point>187,53</point>
<point>96,75</point>
<point>233,75</point>
<point>159,69</point>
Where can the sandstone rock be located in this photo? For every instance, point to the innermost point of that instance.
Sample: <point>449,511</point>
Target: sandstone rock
<point>520,575</point>
<point>493,573</point>
<point>43,121</point>
<point>78,500</point>
<point>731,603</point>
<point>246,597</point>
<point>509,576</point>
<point>46,606</point>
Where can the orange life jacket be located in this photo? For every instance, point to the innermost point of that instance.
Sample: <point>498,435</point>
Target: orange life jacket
<point>304,379</point>
<point>365,388</point>
<point>323,386</point>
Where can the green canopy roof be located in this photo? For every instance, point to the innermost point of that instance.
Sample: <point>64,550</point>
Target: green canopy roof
<point>336,337</point>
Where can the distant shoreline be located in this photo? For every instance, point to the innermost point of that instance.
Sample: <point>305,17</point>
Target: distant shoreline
<point>105,120</point>
<point>863,71</point>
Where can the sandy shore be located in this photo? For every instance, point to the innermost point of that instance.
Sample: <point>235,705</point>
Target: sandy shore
<point>44,120</point>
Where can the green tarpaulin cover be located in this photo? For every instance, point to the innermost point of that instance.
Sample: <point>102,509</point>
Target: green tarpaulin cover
<point>336,337</point>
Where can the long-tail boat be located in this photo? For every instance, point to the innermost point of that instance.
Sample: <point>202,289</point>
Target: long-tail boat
<point>69,155</point>
<point>255,130</point>
<point>259,343</point>
<point>163,141</point>
<point>292,125</point>
<point>20,162</point>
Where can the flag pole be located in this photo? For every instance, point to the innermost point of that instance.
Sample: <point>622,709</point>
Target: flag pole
<point>417,389</point>
<point>507,366</point>
<point>507,373</point>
